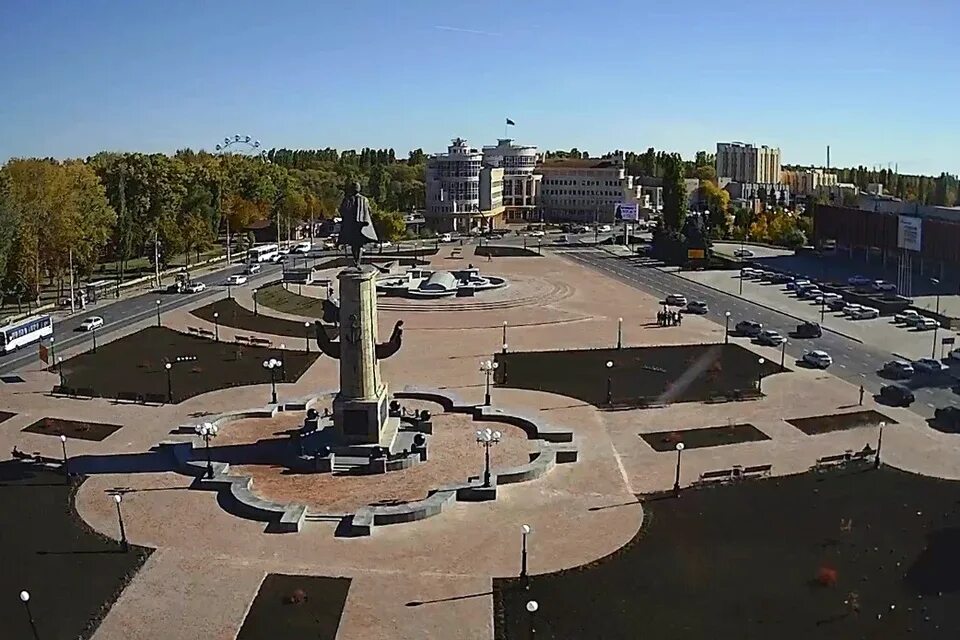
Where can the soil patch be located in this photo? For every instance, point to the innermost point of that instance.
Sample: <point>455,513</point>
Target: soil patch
<point>756,557</point>
<point>405,258</point>
<point>94,431</point>
<point>640,375</point>
<point>277,298</point>
<point>230,314</point>
<point>295,608</point>
<point>506,251</point>
<point>6,415</point>
<point>705,437</point>
<point>840,422</point>
<point>73,574</point>
<point>135,364</point>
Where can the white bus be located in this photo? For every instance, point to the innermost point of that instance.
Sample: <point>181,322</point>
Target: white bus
<point>23,332</point>
<point>263,253</point>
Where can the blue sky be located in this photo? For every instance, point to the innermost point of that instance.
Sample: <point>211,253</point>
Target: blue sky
<point>877,81</point>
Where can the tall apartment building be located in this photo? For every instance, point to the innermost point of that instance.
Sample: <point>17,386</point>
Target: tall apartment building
<point>521,182</point>
<point>807,181</point>
<point>746,163</point>
<point>586,190</point>
<point>462,194</point>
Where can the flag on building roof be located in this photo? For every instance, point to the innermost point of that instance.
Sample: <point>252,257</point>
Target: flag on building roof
<point>511,122</point>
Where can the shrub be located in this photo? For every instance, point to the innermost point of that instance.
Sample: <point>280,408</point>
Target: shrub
<point>826,577</point>
<point>297,597</point>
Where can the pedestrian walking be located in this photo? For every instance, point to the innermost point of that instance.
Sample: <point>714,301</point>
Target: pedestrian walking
<point>861,395</point>
<point>679,318</point>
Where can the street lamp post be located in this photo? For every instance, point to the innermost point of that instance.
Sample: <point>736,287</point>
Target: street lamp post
<point>207,431</point>
<point>609,382</point>
<point>741,281</point>
<point>524,532</point>
<point>726,327</point>
<point>504,341</point>
<point>93,333</point>
<point>783,354</point>
<point>60,369</point>
<point>487,367</point>
<point>272,365</point>
<point>255,301</point>
<point>619,333</point>
<point>676,481</point>
<point>532,607</point>
<point>936,327</point>
<point>283,364</point>
<point>169,368</point>
<point>158,313</point>
<point>216,326</point>
<point>760,361</point>
<point>25,599</point>
<point>487,438</point>
<point>306,336</point>
<point>229,289</point>
<point>63,444</point>
<point>876,459</point>
<point>117,498</point>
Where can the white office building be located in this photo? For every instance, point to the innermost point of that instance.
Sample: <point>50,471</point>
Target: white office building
<point>521,182</point>
<point>587,190</point>
<point>747,163</point>
<point>462,194</point>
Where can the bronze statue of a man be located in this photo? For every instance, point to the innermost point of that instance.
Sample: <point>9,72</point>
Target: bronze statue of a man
<point>356,222</point>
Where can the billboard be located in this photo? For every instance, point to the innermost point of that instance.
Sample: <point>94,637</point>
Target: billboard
<point>627,211</point>
<point>696,254</point>
<point>909,233</point>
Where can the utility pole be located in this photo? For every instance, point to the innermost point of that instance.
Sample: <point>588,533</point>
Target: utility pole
<point>156,258</point>
<point>73,302</point>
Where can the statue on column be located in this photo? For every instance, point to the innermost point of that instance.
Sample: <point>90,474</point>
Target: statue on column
<point>356,221</point>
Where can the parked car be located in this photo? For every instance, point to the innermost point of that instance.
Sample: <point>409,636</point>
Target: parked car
<point>954,355</point>
<point>748,328</point>
<point>925,324</point>
<point>865,313</point>
<point>697,306</point>
<point>780,278</point>
<point>883,286</point>
<point>176,287</point>
<point>251,269</point>
<point>897,395</point>
<point>446,237</point>
<point>837,304</point>
<point>827,298</point>
<point>794,284</point>
<point>195,287</point>
<point>676,300</point>
<point>743,253</point>
<point>237,279</point>
<point>908,317</point>
<point>929,366</point>
<point>770,338</point>
<point>91,323</point>
<point>851,309</point>
<point>898,369</point>
<point>859,281</point>
<point>819,359</point>
<point>809,293</point>
<point>748,272</point>
<point>537,234</point>
<point>808,330</point>
<point>948,417</point>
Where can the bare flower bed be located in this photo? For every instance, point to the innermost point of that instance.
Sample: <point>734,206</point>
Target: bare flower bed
<point>840,422</point>
<point>704,437</point>
<point>296,607</point>
<point>93,431</point>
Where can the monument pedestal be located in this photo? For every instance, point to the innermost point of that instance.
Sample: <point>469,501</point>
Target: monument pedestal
<point>361,408</point>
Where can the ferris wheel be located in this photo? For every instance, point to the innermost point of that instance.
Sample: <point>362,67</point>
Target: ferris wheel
<point>241,144</point>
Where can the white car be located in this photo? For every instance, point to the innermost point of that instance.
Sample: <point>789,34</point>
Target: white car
<point>91,323</point>
<point>604,228</point>
<point>676,300</point>
<point>237,279</point>
<point>865,313</point>
<point>809,293</point>
<point>446,237</point>
<point>251,269</point>
<point>796,284</point>
<point>195,287</point>
<point>819,359</point>
<point>925,324</point>
<point>537,234</point>
<point>827,298</point>
<point>770,338</point>
<point>302,247</point>
<point>851,309</point>
<point>954,355</point>
<point>908,317</point>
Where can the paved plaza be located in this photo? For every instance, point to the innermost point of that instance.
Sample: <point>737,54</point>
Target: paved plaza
<point>434,578</point>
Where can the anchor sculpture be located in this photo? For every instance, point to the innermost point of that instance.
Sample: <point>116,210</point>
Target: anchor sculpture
<point>383,350</point>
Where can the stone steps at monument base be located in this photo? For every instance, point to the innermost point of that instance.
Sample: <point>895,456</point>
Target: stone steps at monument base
<point>348,463</point>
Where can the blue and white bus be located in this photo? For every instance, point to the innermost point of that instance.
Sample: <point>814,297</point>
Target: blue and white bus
<point>23,332</point>
<point>263,253</point>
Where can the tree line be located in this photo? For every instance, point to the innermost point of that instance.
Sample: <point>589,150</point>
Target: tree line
<point>126,207</point>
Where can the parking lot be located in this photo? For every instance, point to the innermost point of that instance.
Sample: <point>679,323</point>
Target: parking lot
<point>880,332</point>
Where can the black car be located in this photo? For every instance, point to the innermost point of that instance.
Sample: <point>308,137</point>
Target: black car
<point>836,304</point>
<point>809,330</point>
<point>780,278</point>
<point>897,395</point>
<point>948,417</point>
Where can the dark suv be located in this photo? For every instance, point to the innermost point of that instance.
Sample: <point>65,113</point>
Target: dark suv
<point>896,395</point>
<point>809,330</point>
<point>949,417</point>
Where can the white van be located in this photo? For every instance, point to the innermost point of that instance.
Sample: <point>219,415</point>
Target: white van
<point>302,247</point>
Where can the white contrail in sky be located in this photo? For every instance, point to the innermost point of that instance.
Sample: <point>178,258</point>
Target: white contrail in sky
<point>462,30</point>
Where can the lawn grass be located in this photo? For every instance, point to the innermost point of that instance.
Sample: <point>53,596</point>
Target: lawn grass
<point>73,574</point>
<point>296,608</point>
<point>231,314</point>
<point>742,561</point>
<point>135,363</point>
<point>840,422</point>
<point>639,375</point>
<point>704,437</point>
<point>276,297</point>
<point>507,251</point>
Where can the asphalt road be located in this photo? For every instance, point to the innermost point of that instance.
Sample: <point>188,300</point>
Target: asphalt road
<point>853,361</point>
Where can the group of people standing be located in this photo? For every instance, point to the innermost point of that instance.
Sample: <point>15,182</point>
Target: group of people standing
<point>669,318</point>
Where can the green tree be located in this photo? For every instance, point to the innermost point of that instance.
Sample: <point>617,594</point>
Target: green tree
<point>718,204</point>
<point>674,193</point>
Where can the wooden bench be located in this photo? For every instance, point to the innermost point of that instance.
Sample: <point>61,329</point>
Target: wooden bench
<point>834,460</point>
<point>261,342</point>
<point>242,339</point>
<point>759,470</point>
<point>60,390</point>
<point>129,396</point>
<point>85,392</point>
<point>205,333</point>
<point>155,398</point>
<point>193,331</point>
<point>723,475</point>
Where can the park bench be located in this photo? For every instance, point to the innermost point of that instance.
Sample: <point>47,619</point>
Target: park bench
<point>834,460</point>
<point>205,333</point>
<point>85,392</point>
<point>60,390</point>
<point>242,339</point>
<point>193,331</point>
<point>261,342</point>
<point>708,477</point>
<point>155,398</point>
<point>757,471</point>
<point>129,396</point>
